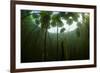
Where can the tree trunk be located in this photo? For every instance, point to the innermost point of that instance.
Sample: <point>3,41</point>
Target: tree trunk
<point>57,45</point>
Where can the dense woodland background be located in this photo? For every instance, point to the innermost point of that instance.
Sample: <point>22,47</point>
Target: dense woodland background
<point>38,44</point>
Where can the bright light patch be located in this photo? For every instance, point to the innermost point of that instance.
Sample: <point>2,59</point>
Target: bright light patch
<point>70,17</point>
<point>73,27</point>
<point>68,28</point>
<point>34,11</point>
<point>80,18</point>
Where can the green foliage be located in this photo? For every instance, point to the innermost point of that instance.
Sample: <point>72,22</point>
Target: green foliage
<point>69,21</point>
<point>35,15</point>
<point>70,17</point>
<point>25,13</point>
<point>62,14</point>
<point>47,18</point>
<point>44,19</point>
<point>56,20</point>
<point>62,30</point>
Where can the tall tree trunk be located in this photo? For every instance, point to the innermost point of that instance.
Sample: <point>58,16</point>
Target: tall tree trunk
<point>57,45</point>
<point>45,44</point>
